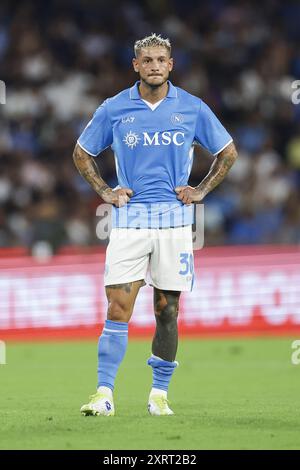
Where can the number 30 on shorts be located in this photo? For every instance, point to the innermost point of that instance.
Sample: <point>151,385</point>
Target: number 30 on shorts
<point>186,259</point>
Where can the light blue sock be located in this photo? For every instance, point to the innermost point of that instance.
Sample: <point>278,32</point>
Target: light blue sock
<point>112,346</point>
<point>162,372</point>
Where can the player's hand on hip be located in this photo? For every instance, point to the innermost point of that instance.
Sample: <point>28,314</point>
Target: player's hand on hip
<point>117,197</point>
<point>188,195</point>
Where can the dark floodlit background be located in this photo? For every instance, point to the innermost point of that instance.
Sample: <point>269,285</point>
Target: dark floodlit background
<point>61,59</point>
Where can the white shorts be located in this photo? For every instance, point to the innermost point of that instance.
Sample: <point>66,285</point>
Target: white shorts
<point>168,253</point>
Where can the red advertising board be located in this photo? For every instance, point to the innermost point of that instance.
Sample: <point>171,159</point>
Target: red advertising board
<point>250,290</point>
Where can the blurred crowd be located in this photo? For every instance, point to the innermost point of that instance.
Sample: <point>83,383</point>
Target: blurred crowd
<point>61,58</point>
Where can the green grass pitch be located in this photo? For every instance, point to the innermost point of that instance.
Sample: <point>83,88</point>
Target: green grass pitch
<point>227,394</point>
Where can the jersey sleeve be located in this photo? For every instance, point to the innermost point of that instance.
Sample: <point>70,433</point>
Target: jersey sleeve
<point>210,133</point>
<point>98,134</point>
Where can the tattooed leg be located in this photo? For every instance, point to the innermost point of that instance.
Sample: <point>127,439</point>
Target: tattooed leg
<point>165,339</point>
<point>121,299</point>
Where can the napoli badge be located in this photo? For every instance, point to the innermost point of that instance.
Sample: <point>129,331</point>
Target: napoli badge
<point>177,118</point>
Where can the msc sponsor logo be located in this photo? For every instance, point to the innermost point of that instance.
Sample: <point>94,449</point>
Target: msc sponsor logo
<point>132,139</point>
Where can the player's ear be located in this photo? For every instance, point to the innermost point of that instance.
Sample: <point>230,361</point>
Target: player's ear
<point>135,64</point>
<point>171,64</point>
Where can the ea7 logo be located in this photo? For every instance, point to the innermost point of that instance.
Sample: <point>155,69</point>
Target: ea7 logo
<point>163,138</point>
<point>128,119</point>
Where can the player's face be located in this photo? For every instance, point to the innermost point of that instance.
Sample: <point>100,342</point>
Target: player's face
<point>154,65</point>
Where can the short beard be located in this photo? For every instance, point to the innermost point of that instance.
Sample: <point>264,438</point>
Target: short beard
<point>153,86</point>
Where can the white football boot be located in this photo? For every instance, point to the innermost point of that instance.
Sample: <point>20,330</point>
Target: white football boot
<point>158,405</point>
<point>101,404</point>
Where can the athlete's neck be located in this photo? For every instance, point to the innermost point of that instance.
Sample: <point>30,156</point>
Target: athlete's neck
<point>153,94</point>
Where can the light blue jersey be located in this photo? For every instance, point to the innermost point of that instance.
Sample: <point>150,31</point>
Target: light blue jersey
<point>153,151</point>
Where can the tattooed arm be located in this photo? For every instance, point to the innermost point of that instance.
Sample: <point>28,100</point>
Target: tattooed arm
<point>219,169</point>
<point>88,169</point>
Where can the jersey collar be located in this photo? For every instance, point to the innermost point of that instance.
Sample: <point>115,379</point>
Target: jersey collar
<point>135,95</point>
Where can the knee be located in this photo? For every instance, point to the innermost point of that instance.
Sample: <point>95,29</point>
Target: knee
<point>118,311</point>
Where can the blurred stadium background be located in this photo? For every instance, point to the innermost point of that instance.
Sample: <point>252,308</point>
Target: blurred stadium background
<point>59,59</point>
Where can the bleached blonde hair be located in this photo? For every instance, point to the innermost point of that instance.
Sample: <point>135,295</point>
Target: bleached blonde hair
<point>154,40</point>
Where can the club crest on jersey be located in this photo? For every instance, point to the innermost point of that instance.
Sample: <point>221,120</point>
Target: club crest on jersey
<point>132,139</point>
<point>128,119</point>
<point>176,118</point>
